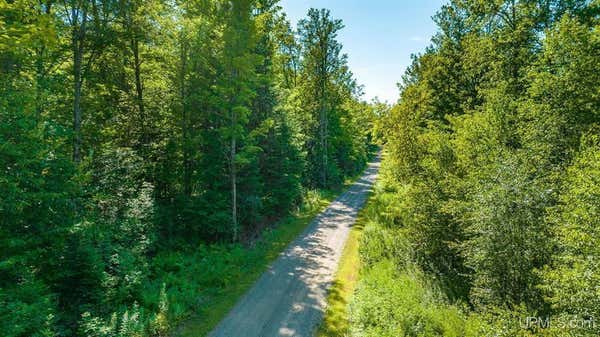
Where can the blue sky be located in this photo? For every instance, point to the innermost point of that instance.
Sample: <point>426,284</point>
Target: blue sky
<point>379,37</point>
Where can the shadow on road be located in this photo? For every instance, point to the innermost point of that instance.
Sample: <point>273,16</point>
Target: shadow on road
<point>289,298</point>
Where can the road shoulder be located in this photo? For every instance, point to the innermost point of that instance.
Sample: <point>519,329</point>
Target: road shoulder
<point>335,321</point>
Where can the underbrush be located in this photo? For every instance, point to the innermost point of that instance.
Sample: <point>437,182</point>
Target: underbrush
<point>393,297</point>
<point>399,302</point>
<point>211,279</point>
<point>189,291</point>
<point>396,298</point>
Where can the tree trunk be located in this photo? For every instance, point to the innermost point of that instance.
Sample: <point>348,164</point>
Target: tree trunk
<point>139,91</point>
<point>233,170</point>
<point>77,110</point>
<point>323,143</point>
<point>78,49</point>
<point>187,175</point>
<point>41,71</point>
<point>40,83</point>
<point>323,127</point>
<point>232,164</point>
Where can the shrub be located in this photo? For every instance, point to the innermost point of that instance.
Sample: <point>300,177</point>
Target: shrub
<point>393,303</point>
<point>377,244</point>
<point>571,280</point>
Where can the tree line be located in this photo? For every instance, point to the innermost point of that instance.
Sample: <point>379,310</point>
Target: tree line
<point>493,168</point>
<point>129,128</point>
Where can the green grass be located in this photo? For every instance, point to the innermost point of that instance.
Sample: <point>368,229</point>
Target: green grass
<point>392,296</point>
<point>204,284</point>
<point>244,266</point>
<point>335,322</point>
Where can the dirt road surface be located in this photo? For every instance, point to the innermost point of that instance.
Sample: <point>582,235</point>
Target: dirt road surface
<point>290,297</point>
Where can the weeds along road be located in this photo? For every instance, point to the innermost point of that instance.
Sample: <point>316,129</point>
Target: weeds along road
<point>289,298</point>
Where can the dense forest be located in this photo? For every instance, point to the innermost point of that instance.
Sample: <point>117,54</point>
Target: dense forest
<point>146,146</point>
<point>486,219</point>
<point>155,154</point>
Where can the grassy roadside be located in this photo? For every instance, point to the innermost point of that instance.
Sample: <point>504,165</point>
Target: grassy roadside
<point>248,264</point>
<point>335,321</point>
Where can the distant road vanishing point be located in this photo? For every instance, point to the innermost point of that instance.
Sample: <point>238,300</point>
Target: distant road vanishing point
<point>290,297</point>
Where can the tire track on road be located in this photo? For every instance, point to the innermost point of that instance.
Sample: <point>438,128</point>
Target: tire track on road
<point>289,298</point>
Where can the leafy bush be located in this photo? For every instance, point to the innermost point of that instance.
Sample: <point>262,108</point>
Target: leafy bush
<point>377,244</point>
<point>506,236</point>
<point>571,280</point>
<point>397,303</point>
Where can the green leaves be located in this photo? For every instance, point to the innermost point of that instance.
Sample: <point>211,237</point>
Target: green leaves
<point>333,139</point>
<point>486,148</point>
<point>570,281</point>
<point>186,126</point>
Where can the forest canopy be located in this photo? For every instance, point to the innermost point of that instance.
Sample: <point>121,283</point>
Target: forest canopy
<point>152,154</point>
<point>489,202</point>
<point>133,132</point>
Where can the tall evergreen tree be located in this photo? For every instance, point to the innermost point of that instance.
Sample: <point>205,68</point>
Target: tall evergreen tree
<point>322,61</point>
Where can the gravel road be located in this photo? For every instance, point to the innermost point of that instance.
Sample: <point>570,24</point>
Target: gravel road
<point>290,297</point>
